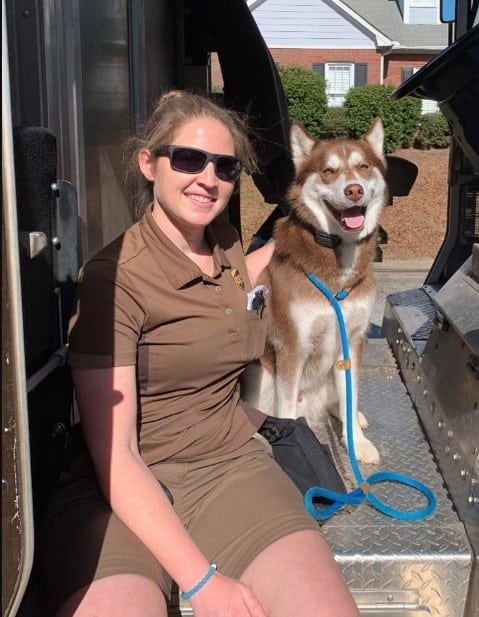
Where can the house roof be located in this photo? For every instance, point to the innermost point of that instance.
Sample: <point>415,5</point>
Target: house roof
<point>384,22</point>
<point>386,17</point>
<point>382,39</point>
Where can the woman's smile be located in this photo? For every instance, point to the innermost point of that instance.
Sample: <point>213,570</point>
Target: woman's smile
<point>201,200</point>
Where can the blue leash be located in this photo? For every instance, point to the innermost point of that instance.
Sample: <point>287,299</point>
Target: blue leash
<point>363,491</point>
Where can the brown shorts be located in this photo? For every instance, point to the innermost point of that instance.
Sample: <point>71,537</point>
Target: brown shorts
<point>233,506</point>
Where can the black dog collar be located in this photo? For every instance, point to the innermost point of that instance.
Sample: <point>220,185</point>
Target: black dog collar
<point>330,241</point>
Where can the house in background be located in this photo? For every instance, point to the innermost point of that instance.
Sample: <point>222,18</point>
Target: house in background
<point>350,42</point>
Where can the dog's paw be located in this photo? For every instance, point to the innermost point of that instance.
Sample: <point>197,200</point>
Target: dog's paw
<point>366,452</point>
<point>363,421</point>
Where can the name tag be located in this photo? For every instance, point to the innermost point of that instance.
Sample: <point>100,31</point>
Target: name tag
<point>255,299</point>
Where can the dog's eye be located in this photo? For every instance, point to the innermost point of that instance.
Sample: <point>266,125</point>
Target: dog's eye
<point>364,166</point>
<point>328,171</point>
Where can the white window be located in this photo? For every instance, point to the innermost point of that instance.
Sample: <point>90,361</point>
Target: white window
<point>339,79</point>
<point>427,105</point>
<point>421,12</point>
<point>423,3</point>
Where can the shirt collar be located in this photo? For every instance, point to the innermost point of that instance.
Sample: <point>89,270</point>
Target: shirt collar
<point>175,265</point>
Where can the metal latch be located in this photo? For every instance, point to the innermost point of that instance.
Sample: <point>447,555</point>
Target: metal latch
<point>390,603</point>
<point>34,242</point>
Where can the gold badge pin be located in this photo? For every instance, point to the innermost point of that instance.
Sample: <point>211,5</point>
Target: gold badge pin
<point>237,278</point>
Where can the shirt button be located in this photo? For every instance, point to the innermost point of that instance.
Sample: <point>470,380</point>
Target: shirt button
<point>218,288</point>
<point>228,311</point>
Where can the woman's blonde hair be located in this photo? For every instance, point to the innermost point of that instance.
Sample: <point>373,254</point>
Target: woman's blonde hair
<point>173,109</point>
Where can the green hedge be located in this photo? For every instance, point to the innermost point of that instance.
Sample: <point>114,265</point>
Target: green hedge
<point>400,118</point>
<point>403,124</point>
<point>434,132</point>
<point>305,95</point>
<point>334,124</point>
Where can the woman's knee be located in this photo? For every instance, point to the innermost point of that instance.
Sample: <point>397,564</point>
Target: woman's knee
<point>299,570</point>
<point>121,595</point>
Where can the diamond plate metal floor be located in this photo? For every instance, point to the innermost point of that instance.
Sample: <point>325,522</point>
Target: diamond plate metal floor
<point>420,567</point>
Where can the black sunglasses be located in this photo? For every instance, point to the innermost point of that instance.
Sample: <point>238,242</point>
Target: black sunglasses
<point>192,161</point>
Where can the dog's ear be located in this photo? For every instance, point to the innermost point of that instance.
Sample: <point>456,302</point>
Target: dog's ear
<point>301,143</point>
<point>375,138</point>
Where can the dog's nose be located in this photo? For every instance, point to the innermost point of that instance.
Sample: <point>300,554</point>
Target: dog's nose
<point>354,192</point>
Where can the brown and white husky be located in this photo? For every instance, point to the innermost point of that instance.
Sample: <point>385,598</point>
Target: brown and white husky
<point>336,200</point>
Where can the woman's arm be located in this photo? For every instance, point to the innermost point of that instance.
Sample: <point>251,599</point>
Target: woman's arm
<point>108,412</point>
<point>258,260</point>
<point>107,402</point>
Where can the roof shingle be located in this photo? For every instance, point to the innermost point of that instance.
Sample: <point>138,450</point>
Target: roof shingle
<point>385,16</point>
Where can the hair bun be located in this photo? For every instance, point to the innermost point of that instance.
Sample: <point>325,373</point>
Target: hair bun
<point>171,94</point>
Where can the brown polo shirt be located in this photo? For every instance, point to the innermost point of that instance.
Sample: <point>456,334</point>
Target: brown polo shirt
<point>142,302</point>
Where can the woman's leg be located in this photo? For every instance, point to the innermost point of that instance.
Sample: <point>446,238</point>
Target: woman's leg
<point>121,595</point>
<point>297,575</point>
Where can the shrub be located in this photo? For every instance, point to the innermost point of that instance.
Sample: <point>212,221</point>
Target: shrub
<point>409,109</point>
<point>400,118</point>
<point>434,132</point>
<point>334,124</point>
<point>305,95</point>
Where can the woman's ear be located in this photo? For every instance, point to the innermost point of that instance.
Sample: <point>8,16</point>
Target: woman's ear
<point>146,162</point>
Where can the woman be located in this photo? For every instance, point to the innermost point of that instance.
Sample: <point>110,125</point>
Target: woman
<point>159,337</point>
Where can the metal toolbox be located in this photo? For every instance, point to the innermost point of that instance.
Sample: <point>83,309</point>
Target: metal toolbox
<point>434,334</point>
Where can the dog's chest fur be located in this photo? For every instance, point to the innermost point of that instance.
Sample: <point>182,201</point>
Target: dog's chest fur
<point>301,316</point>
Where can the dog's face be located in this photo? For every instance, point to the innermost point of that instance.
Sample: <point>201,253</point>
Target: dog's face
<point>341,182</point>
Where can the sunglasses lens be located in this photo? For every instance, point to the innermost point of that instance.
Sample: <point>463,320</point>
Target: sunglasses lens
<point>192,161</point>
<point>188,160</point>
<point>227,168</point>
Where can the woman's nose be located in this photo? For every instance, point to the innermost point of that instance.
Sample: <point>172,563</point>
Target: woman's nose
<point>208,174</point>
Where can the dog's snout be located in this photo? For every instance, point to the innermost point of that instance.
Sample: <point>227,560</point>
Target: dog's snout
<point>354,192</point>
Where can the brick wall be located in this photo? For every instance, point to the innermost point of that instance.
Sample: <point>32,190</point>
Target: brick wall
<point>215,71</point>
<point>306,57</point>
<point>393,63</point>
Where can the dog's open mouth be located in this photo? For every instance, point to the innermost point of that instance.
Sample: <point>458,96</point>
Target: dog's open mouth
<point>351,219</point>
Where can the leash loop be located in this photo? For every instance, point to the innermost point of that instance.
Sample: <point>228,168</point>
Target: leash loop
<point>363,492</point>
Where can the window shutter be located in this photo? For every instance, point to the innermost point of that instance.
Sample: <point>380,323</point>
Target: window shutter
<point>406,72</point>
<point>318,69</point>
<point>360,74</point>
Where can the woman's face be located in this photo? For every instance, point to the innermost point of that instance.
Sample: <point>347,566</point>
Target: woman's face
<point>191,200</point>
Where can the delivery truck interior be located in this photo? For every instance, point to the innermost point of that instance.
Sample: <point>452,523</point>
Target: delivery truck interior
<point>77,78</point>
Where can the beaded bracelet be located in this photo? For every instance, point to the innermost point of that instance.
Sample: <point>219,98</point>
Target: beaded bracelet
<point>186,595</point>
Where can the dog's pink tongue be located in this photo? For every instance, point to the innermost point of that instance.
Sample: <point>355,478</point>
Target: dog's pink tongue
<point>353,218</point>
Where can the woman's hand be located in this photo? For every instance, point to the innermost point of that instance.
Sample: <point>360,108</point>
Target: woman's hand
<point>226,597</point>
